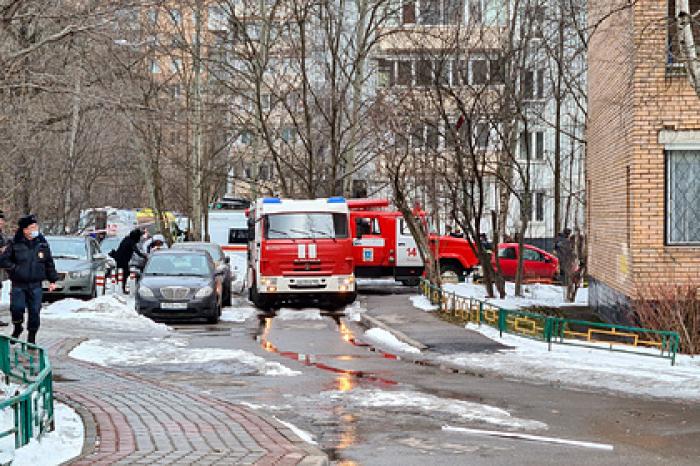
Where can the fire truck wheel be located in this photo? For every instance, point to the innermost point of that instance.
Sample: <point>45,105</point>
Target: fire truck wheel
<point>410,282</point>
<point>261,302</point>
<point>450,271</point>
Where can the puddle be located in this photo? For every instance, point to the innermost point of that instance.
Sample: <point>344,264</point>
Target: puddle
<point>262,337</point>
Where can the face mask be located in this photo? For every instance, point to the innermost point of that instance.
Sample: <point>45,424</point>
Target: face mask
<point>34,234</point>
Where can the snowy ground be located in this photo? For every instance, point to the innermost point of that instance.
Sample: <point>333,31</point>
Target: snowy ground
<point>588,368</point>
<point>238,314</point>
<point>170,351</point>
<point>388,342</point>
<point>57,447</point>
<point>354,311</point>
<point>5,292</point>
<point>299,314</point>
<point>536,294</point>
<point>107,312</point>
<point>423,303</point>
<point>450,409</point>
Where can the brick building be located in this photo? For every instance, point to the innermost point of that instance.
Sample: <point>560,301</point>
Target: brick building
<point>643,161</point>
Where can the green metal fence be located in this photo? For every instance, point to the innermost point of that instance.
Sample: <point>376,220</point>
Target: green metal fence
<point>32,404</point>
<point>551,329</point>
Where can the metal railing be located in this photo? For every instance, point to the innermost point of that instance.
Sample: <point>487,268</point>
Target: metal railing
<point>550,329</point>
<point>32,403</point>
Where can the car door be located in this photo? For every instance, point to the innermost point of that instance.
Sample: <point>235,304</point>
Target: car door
<point>508,259</point>
<point>533,264</point>
<point>369,244</point>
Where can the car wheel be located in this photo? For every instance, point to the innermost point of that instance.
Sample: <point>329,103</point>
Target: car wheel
<point>451,273</point>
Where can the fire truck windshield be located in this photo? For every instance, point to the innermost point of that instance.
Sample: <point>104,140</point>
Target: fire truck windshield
<point>306,226</point>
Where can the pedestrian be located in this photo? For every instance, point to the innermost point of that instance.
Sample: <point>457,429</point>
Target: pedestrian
<point>27,258</point>
<point>3,243</point>
<point>484,241</point>
<point>127,248</point>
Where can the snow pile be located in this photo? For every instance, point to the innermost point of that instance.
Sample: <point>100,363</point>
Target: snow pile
<point>536,294</point>
<point>5,292</point>
<point>302,434</point>
<point>354,312</point>
<point>423,303</point>
<point>170,351</point>
<point>387,341</point>
<point>57,447</point>
<point>433,405</point>
<point>299,314</point>
<point>587,368</point>
<point>238,314</point>
<point>107,312</point>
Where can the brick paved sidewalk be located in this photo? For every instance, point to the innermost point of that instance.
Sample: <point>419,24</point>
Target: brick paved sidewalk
<point>130,419</point>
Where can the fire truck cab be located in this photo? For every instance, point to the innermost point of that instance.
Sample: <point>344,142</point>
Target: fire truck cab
<point>300,251</point>
<point>384,246</point>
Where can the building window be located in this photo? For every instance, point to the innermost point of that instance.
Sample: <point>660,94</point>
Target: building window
<point>424,73</point>
<point>486,70</point>
<point>532,85</point>
<point>538,213</point>
<point>385,73</point>
<point>176,16</point>
<point>675,54</point>
<point>409,13</point>
<point>481,136</point>
<point>405,74</point>
<point>683,197</point>
<point>176,65</point>
<point>155,67</point>
<point>288,135</point>
<point>531,145</point>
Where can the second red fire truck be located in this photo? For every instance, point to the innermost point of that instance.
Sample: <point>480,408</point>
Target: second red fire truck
<point>384,247</point>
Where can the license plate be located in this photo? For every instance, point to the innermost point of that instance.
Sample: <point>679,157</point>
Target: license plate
<point>45,285</point>
<point>173,305</point>
<point>307,282</point>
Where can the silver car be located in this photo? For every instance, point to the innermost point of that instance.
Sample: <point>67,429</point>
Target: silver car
<point>78,259</point>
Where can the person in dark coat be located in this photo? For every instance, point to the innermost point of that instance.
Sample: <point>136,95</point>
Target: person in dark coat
<point>27,258</point>
<point>127,248</point>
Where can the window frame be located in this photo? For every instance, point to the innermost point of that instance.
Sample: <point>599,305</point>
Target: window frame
<point>667,204</point>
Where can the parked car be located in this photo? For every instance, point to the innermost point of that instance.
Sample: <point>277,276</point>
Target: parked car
<point>180,284</point>
<point>78,259</point>
<point>222,263</point>
<point>537,264</point>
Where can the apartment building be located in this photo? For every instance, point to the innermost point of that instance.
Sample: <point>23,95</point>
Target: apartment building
<point>458,43</point>
<point>643,156</point>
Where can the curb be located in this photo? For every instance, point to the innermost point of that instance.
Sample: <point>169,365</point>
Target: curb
<point>422,359</point>
<point>370,321</point>
<point>313,456</point>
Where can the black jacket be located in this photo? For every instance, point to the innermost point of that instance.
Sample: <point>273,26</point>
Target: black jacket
<point>28,262</point>
<point>127,248</point>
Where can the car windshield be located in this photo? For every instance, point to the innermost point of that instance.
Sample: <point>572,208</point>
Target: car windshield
<point>213,249</point>
<point>108,244</point>
<point>68,248</point>
<point>306,226</point>
<point>178,265</point>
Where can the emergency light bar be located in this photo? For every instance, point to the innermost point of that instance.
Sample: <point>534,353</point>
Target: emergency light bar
<point>272,200</point>
<point>336,200</point>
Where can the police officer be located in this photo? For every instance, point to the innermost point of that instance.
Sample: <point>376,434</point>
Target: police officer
<point>27,258</point>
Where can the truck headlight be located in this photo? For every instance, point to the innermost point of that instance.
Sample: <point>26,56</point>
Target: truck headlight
<point>79,274</point>
<point>204,292</point>
<point>268,282</point>
<point>146,292</point>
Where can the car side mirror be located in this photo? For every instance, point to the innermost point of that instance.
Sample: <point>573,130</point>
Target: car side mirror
<point>547,260</point>
<point>227,260</point>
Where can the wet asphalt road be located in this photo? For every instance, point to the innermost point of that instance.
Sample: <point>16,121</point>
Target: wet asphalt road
<point>335,400</point>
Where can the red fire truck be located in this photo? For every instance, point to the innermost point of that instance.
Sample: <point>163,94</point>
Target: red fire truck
<point>300,252</point>
<point>384,246</point>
